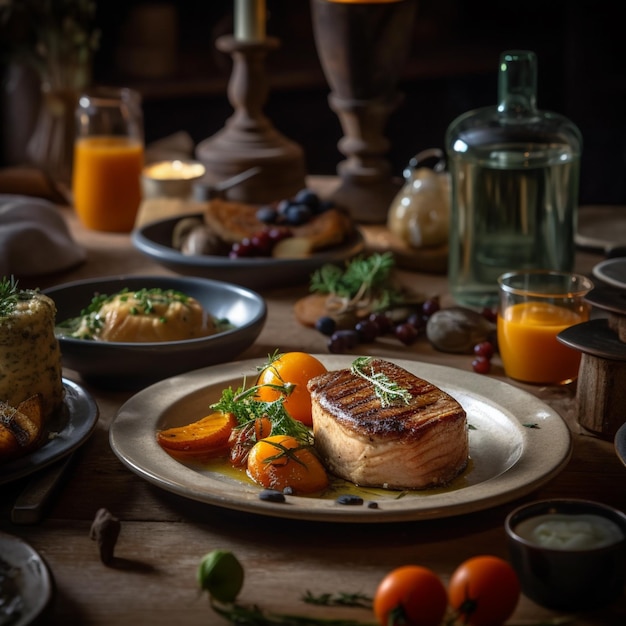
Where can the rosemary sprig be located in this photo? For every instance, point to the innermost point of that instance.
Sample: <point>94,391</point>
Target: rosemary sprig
<point>9,295</point>
<point>241,615</point>
<point>338,599</point>
<point>387,390</point>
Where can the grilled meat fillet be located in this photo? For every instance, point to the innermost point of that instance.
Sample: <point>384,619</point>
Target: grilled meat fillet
<point>404,445</point>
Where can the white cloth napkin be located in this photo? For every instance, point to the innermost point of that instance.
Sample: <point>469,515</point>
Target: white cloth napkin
<point>34,238</point>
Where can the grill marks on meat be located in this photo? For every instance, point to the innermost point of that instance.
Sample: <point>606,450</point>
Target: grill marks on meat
<point>404,446</point>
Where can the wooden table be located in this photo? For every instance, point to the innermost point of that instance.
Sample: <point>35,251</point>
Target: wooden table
<point>163,536</point>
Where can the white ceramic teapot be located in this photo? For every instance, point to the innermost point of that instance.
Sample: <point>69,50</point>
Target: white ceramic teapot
<point>420,212</point>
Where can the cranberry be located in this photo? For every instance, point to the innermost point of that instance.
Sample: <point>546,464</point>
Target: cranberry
<point>406,333</point>
<point>484,348</point>
<point>481,365</point>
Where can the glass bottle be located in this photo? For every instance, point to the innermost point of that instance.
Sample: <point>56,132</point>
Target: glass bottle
<point>514,186</point>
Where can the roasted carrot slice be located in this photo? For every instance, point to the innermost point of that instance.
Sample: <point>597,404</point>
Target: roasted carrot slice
<point>208,434</point>
<point>280,461</point>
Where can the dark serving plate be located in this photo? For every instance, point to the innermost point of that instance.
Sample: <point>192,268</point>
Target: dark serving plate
<point>155,241</point>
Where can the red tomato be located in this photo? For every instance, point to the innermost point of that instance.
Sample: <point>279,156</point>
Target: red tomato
<point>484,590</point>
<point>411,595</point>
<point>296,368</point>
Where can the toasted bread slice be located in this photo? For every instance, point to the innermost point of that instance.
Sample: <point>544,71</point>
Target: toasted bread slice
<point>233,221</point>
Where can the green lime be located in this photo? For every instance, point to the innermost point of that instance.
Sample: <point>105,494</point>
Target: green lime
<point>221,574</point>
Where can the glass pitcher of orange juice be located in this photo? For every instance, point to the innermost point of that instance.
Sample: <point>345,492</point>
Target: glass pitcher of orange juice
<point>108,159</point>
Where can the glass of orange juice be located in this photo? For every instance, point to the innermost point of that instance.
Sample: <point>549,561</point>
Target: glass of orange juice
<point>535,306</point>
<point>108,159</point>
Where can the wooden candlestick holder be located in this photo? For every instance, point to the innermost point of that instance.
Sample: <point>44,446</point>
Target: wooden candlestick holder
<point>248,138</point>
<point>362,49</point>
<point>601,387</point>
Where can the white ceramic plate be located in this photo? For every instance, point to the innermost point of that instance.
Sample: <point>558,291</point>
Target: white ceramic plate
<point>509,458</point>
<point>155,241</point>
<point>26,581</point>
<point>67,430</point>
<point>612,272</point>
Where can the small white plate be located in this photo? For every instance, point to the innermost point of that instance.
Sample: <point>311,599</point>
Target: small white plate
<point>612,272</point>
<point>25,580</point>
<point>517,443</point>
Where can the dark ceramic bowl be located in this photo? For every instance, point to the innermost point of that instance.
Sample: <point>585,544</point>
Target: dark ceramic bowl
<point>572,578</point>
<point>124,365</point>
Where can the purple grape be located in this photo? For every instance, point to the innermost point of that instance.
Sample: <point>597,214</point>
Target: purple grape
<point>343,340</point>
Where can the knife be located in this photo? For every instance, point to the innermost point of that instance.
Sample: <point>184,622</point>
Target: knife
<point>31,503</point>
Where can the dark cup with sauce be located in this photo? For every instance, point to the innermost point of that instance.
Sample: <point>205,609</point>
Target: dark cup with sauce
<point>569,554</point>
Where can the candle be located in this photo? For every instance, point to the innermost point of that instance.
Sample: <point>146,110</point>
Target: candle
<point>173,179</point>
<point>250,19</point>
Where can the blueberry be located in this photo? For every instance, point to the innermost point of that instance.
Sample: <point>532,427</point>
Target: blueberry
<point>326,325</point>
<point>307,197</point>
<point>283,206</point>
<point>271,495</point>
<point>267,214</point>
<point>349,499</point>
<point>298,214</point>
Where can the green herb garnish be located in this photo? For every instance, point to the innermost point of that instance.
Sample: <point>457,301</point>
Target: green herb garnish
<point>9,295</point>
<point>364,283</point>
<point>90,321</point>
<point>387,390</point>
<point>246,407</point>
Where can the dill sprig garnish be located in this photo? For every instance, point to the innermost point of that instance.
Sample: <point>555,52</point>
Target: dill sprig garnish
<point>386,390</point>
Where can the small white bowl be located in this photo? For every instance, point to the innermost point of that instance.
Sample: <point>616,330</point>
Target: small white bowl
<point>576,577</point>
<point>129,365</point>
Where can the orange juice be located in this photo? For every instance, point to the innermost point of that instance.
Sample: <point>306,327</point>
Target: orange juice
<point>528,345</point>
<point>107,181</point>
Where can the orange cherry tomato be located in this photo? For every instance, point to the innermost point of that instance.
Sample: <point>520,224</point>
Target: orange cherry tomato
<point>296,368</point>
<point>411,595</point>
<point>280,461</point>
<point>209,434</point>
<point>484,591</point>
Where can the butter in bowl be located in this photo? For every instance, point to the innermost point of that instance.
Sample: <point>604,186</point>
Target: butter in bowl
<point>569,554</point>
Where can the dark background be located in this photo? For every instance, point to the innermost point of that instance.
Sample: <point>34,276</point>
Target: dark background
<point>452,68</point>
